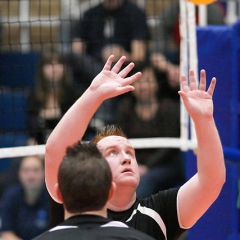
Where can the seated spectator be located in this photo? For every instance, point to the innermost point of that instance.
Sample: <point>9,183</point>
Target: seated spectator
<point>69,14</point>
<point>84,186</point>
<point>51,97</point>
<point>25,206</point>
<point>116,27</point>
<point>145,114</point>
<point>166,42</point>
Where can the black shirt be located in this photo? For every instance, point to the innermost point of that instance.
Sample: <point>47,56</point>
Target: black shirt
<point>128,23</point>
<point>155,216</point>
<point>91,227</point>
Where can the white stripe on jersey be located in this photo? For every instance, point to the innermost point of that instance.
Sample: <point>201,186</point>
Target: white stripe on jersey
<point>151,213</point>
<point>110,224</point>
<point>61,227</point>
<point>115,224</point>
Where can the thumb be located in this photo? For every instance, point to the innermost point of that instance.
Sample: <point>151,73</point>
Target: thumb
<point>183,96</point>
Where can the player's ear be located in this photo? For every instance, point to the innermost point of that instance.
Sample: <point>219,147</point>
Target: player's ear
<point>112,190</point>
<point>58,193</point>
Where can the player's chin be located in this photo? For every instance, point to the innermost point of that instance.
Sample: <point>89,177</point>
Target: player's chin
<point>130,181</point>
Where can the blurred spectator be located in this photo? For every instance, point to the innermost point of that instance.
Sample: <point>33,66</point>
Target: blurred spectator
<point>70,12</point>
<point>25,206</point>
<point>115,27</point>
<point>53,94</point>
<point>144,114</point>
<point>166,40</point>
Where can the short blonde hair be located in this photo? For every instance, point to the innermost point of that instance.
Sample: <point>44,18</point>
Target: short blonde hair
<point>109,130</point>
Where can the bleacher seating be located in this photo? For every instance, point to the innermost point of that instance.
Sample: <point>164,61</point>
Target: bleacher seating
<point>13,106</point>
<point>17,77</point>
<point>18,70</point>
<point>13,121</point>
<point>13,117</point>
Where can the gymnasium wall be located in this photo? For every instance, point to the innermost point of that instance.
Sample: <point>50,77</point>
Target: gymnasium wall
<point>219,55</point>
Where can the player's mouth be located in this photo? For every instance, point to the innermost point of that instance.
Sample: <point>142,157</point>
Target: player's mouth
<point>127,170</point>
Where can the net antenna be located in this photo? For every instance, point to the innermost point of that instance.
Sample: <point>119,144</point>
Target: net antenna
<point>188,60</point>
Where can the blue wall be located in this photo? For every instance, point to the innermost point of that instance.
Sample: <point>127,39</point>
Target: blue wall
<point>215,52</point>
<point>18,69</point>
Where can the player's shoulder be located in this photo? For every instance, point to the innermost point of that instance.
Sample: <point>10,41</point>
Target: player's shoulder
<point>109,231</point>
<point>158,198</point>
<point>121,232</point>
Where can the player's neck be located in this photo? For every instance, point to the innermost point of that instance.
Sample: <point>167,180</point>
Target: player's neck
<point>121,201</point>
<point>101,213</point>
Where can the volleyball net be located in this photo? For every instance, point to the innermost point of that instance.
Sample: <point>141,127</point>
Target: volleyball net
<point>30,26</point>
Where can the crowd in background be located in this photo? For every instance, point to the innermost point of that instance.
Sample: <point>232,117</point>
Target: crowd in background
<point>117,27</point>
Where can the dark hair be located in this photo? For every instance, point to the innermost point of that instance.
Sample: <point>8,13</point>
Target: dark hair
<point>42,83</point>
<point>84,178</point>
<point>108,130</point>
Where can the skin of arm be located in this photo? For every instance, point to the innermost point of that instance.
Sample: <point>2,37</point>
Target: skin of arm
<point>9,235</point>
<point>199,192</point>
<point>107,84</point>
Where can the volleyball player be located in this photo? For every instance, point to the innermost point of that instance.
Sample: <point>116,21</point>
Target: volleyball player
<point>169,213</point>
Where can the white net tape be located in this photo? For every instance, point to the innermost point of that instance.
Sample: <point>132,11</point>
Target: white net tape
<point>136,143</point>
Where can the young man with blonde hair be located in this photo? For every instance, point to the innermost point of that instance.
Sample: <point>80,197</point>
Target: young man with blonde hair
<point>167,214</point>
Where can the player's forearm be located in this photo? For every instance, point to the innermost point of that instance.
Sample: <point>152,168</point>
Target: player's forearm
<point>210,159</point>
<point>68,131</point>
<point>198,193</point>
<point>73,124</point>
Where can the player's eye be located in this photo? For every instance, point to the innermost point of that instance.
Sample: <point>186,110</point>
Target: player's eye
<point>112,153</point>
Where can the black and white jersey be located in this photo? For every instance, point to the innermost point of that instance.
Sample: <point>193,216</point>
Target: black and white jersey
<point>91,227</point>
<point>155,216</point>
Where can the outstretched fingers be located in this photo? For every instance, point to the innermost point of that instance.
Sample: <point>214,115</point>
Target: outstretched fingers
<point>116,68</point>
<point>126,70</point>
<point>133,78</point>
<point>184,84</point>
<point>185,87</point>
<point>212,86</point>
<point>192,79</point>
<point>202,84</point>
<point>108,64</point>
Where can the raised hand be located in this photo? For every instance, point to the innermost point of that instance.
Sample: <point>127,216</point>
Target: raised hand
<point>197,100</point>
<point>110,82</point>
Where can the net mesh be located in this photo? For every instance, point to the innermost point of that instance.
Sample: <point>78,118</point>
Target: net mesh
<point>27,29</point>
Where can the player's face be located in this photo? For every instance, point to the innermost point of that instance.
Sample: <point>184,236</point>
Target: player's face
<point>121,157</point>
